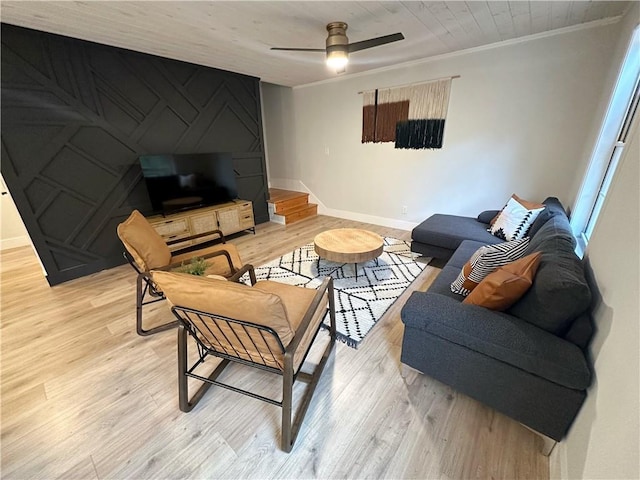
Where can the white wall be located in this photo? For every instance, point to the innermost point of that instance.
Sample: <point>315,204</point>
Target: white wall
<point>517,122</point>
<point>277,111</point>
<point>604,441</point>
<point>12,231</point>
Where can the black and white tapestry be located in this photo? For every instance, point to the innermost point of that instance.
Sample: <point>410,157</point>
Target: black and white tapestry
<point>412,116</point>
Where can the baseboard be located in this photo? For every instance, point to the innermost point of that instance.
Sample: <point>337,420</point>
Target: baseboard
<point>14,242</point>
<point>558,462</point>
<point>362,217</point>
<point>298,186</point>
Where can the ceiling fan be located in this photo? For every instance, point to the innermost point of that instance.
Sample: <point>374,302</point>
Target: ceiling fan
<point>338,46</point>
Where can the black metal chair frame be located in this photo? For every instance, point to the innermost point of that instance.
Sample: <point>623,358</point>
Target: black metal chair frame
<point>146,287</point>
<point>188,329</point>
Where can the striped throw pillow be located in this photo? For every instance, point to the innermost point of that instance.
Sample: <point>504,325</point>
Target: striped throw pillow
<point>484,261</point>
<point>515,219</point>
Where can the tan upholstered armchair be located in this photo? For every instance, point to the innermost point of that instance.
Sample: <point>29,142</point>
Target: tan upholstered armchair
<point>268,325</point>
<point>146,250</point>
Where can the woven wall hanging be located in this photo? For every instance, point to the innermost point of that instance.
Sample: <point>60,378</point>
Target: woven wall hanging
<point>412,116</point>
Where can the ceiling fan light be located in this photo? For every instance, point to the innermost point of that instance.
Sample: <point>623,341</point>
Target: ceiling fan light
<point>337,59</point>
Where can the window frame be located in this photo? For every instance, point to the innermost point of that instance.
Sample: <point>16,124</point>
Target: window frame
<point>623,105</point>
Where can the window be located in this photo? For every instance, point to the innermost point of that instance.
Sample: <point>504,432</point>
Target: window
<point>613,134</point>
<point>611,167</point>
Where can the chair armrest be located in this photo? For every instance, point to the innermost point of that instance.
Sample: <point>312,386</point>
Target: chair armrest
<point>325,288</point>
<point>198,235</point>
<point>208,255</point>
<point>245,268</point>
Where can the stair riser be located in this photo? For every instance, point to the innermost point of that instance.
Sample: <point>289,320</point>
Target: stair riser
<point>301,214</point>
<point>287,207</point>
<point>290,204</point>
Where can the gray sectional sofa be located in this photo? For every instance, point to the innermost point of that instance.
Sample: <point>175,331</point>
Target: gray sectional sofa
<point>530,362</point>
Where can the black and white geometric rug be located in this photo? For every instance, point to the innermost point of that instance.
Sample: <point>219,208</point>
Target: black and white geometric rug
<point>359,304</point>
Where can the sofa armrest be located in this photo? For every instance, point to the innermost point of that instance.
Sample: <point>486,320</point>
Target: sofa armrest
<point>487,216</point>
<point>424,308</point>
<point>500,336</point>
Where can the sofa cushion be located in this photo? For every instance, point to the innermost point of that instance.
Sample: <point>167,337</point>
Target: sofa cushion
<point>442,283</point>
<point>552,208</point>
<point>560,292</point>
<point>502,288</point>
<point>557,227</point>
<point>499,336</point>
<point>448,231</point>
<point>463,254</point>
<point>428,250</point>
<point>515,218</point>
<point>484,261</point>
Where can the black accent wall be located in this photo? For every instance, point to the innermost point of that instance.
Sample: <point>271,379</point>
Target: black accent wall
<point>77,115</point>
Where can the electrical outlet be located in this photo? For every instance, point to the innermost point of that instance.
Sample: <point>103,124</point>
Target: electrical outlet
<point>326,151</point>
<point>404,210</point>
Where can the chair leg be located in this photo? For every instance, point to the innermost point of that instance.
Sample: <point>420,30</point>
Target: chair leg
<point>186,403</point>
<point>287,401</point>
<point>289,431</point>
<point>140,294</point>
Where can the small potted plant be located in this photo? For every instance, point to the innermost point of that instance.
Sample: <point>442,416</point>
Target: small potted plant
<point>197,266</point>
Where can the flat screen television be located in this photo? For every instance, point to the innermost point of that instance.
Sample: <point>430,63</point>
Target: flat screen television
<point>186,181</point>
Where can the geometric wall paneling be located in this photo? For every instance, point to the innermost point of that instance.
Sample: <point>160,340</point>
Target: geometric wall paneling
<point>250,174</point>
<point>77,115</point>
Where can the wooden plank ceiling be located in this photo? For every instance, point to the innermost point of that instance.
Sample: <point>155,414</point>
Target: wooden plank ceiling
<point>237,36</point>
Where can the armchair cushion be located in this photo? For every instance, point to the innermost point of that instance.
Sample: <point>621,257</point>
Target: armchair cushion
<point>231,300</point>
<point>145,245</point>
<point>297,301</point>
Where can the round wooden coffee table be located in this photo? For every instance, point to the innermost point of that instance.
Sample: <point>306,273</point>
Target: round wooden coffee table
<point>348,245</point>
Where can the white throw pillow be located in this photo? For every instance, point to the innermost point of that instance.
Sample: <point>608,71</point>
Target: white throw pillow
<point>515,219</point>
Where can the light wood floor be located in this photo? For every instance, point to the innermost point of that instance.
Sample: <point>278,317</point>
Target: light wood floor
<point>84,397</point>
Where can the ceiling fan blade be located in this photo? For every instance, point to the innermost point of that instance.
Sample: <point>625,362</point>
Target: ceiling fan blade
<point>375,42</point>
<point>300,49</point>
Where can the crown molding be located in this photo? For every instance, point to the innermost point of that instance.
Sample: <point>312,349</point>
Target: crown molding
<point>468,51</point>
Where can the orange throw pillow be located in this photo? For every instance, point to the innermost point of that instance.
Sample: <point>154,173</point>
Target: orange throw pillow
<point>506,285</point>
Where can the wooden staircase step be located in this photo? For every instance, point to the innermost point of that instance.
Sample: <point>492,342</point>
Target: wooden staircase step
<point>285,200</point>
<point>299,212</point>
<point>288,207</point>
